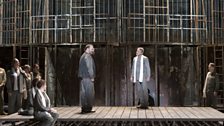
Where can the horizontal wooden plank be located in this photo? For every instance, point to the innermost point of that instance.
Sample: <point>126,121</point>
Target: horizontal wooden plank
<point>108,113</point>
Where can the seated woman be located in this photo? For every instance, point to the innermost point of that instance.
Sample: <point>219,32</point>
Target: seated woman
<point>42,110</point>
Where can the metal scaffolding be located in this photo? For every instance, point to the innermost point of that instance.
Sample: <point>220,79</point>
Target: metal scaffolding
<point>52,23</point>
<point>135,21</point>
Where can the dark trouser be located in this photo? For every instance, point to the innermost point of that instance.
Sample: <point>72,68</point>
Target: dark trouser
<point>1,99</point>
<point>14,102</point>
<point>87,94</point>
<point>142,94</point>
<point>46,118</point>
<point>210,99</point>
<point>29,101</point>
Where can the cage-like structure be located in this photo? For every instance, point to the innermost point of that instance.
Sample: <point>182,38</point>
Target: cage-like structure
<point>112,21</point>
<point>117,27</point>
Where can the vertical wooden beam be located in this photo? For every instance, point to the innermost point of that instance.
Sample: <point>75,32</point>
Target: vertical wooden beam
<point>1,21</point>
<point>94,20</point>
<point>144,16</point>
<point>108,84</point>
<point>15,21</point>
<point>191,12</point>
<point>196,21</point>
<point>157,99</point>
<point>46,21</point>
<point>30,34</point>
<point>204,21</point>
<point>213,22</point>
<point>70,22</point>
<point>168,22</point>
<point>14,51</point>
<point>198,72</point>
<point>130,89</point>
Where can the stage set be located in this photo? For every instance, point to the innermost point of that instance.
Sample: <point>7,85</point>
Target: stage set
<point>127,116</point>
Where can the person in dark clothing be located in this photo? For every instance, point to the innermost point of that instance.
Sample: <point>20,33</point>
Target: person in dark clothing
<point>87,74</point>
<point>28,102</point>
<point>211,86</point>
<point>36,72</point>
<point>42,106</point>
<point>151,99</point>
<point>15,86</point>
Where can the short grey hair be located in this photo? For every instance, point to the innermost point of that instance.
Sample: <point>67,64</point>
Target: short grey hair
<point>141,48</point>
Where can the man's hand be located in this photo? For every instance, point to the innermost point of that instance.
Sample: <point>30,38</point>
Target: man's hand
<point>215,93</point>
<point>148,79</point>
<point>131,79</point>
<point>92,79</point>
<point>9,93</point>
<point>204,95</point>
<point>53,110</point>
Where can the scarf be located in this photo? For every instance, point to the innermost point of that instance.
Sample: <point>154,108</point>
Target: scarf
<point>18,80</point>
<point>44,98</point>
<point>205,85</point>
<point>141,68</point>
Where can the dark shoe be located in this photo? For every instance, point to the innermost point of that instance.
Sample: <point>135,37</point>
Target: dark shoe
<point>138,107</point>
<point>141,107</point>
<point>3,113</point>
<point>84,112</point>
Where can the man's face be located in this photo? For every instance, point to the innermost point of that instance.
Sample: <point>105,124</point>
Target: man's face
<point>91,50</point>
<point>36,69</point>
<point>16,65</point>
<point>45,86</point>
<point>211,69</point>
<point>138,52</point>
<point>27,70</point>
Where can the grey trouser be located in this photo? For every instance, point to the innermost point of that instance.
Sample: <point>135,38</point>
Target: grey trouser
<point>142,94</point>
<point>1,99</point>
<point>46,119</point>
<point>210,99</point>
<point>14,102</point>
<point>87,94</point>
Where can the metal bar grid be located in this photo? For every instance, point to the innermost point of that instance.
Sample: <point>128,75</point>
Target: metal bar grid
<point>127,123</point>
<point>180,21</point>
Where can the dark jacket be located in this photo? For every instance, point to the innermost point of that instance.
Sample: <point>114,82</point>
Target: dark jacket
<point>10,80</point>
<point>212,83</point>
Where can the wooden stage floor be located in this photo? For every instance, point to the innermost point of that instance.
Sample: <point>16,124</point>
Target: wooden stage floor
<point>128,115</point>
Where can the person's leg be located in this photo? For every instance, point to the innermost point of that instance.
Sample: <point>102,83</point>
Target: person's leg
<point>55,117</point>
<point>83,94</point>
<point>18,101</point>
<point>137,93</point>
<point>214,100</point>
<point>89,94</point>
<point>1,99</point>
<point>143,95</point>
<point>209,100</point>
<point>45,119</point>
<point>11,102</point>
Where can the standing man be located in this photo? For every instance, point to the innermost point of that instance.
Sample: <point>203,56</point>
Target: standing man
<point>15,86</point>
<point>211,86</point>
<point>140,76</point>
<point>36,72</point>
<point>2,84</point>
<point>87,74</point>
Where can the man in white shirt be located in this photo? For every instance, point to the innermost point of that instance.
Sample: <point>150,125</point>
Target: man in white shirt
<point>140,76</point>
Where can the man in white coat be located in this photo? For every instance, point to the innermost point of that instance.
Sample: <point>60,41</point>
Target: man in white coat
<point>140,76</point>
